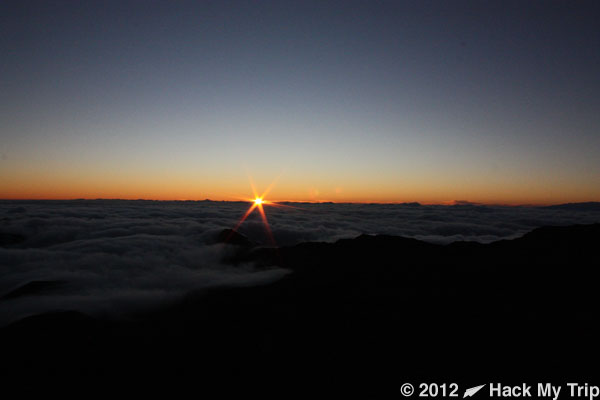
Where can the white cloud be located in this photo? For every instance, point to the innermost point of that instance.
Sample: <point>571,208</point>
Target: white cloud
<point>122,255</point>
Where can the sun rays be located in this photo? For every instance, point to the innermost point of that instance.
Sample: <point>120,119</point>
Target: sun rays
<point>257,202</point>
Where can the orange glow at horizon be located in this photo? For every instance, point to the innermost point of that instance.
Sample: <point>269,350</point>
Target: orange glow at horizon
<point>299,187</point>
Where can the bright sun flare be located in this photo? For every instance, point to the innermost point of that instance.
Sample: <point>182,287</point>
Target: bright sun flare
<point>258,203</point>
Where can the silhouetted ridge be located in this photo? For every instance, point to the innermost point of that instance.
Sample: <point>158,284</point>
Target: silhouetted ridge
<point>572,234</point>
<point>375,311</point>
<point>398,242</point>
<point>230,236</point>
<point>555,241</point>
<point>59,324</point>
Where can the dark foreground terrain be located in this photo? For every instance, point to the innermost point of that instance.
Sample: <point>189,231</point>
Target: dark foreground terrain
<point>362,315</point>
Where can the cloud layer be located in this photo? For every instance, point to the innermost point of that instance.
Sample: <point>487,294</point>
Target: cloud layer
<point>114,256</point>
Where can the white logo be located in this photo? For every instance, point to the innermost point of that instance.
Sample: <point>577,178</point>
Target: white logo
<point>471,391</point>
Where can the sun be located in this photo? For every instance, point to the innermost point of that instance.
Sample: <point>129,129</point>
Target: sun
<point>257,203</point>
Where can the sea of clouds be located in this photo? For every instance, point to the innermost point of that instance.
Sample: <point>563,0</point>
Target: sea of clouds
<point>112,257</point>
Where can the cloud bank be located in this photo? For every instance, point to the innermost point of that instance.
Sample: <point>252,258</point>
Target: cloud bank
<point>111,257</point>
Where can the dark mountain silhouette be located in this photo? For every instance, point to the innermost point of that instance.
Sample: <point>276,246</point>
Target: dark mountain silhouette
<point>362,316</point>
<point>230,236</point>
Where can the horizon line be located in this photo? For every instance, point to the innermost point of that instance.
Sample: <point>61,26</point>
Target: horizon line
<point>450,203</point>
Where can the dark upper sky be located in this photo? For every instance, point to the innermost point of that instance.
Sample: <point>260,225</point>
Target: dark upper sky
<point>357,101</point>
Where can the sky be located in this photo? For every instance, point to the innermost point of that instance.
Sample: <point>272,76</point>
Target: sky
<point>353,101</point>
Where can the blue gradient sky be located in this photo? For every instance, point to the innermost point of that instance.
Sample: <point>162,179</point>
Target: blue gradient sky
<point>429,101</point>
